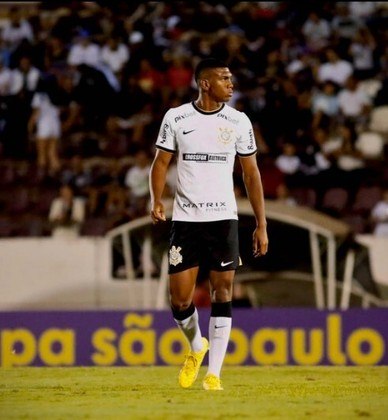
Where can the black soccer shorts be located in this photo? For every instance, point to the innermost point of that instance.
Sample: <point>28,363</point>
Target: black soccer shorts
<point>213,245</point>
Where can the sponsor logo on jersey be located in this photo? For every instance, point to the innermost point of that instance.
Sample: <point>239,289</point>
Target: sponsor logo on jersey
<point>251,145</point>
<point>225,135</point>
<point>184,115</point>
<point>227,118</point>
<point>163,133</point>
<point>187,132</point>
<point>206,157</point>
<point>175,255</point>
<point>208,206</point>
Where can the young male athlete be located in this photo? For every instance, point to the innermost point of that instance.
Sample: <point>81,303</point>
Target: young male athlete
<point>206,135</point>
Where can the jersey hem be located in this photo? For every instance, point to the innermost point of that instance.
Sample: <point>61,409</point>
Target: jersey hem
<point>246,154</point>
<point>165,149</point>
<point>202,220</point>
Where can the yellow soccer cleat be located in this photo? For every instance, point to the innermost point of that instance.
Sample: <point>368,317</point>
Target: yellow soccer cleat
<point>189,372</point>
<point>212,383</point>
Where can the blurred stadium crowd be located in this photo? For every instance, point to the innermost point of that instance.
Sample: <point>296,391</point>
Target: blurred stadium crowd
<point>84,86</point>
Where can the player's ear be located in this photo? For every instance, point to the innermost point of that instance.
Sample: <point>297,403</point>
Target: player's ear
<point>204,84</point>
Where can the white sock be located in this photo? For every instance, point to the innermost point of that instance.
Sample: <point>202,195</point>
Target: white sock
<point>219,332</point>
<point>191,330</point>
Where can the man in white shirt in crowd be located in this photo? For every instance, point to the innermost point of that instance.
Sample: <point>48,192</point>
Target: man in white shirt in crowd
<point>334,69</point>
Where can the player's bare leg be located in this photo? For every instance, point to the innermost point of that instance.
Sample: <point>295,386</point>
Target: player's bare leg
<point>182,286</point>
<point>220,325</point>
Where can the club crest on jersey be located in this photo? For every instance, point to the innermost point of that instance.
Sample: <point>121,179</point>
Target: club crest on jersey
<point>225,135</point>
<point>175,255</point>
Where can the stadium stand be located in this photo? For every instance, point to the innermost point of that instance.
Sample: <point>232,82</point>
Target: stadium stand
<point>112,70</point>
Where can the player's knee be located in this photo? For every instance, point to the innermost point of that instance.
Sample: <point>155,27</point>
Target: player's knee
<point>180,305</point>
<point>182,310</point>
<point>222,293</point>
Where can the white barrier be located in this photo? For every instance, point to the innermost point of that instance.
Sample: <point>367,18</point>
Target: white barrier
<point>61,273</point>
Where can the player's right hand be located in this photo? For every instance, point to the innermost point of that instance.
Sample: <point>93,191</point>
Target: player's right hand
<point>157,213</point>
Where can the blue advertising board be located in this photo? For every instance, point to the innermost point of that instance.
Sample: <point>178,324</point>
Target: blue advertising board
<point>133,338</point>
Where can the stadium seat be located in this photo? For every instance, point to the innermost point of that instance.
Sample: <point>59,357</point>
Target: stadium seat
<point>357,223</point>
<point>335,201</point>
<point>379,119</point>
<point>304,196</point>
<point>18,201</point>
<point>44,199</point>
<point>371,145</point>
<point>365,199</point>
<point>7,174</point>
<point>117,147</point>
<point>370,87</point>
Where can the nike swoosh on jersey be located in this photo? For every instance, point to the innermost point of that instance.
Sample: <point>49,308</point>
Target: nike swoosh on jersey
<point>224,264</point>
<point>187,132</point>
<point>219,326</point>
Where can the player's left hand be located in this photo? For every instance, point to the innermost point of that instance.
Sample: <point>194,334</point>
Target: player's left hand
<point>158,213</point>
<point>260,242</point>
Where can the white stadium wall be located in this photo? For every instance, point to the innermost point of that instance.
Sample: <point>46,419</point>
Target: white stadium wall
<point>58,274</point>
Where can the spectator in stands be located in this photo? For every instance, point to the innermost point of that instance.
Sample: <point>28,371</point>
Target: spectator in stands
<point>67,213</point>
<point>289,163</point>
<point>179,76</point>
<point>344,25</point>
<point>316,31</point>
<point>354,103</point>
<point>349,160</point>
<point>335,68</point>
<point>45,125</point>
<point>95,95</point>
<point>80,179</point>
<point>379,215</point>
<point>149,78</point>
<point>84,51</point>
<point>136,180</point>
<point>16,29</point>
<point>325,104</point>
<point>25,78</point>
<point>22,85</point>
<point>115,54</point>
<point>56,53</point>
<point>362,9</point>
<point>5,79</point>
<point>361,50</point>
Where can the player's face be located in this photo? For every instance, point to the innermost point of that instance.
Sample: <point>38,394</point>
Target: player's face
<point>220,84</point>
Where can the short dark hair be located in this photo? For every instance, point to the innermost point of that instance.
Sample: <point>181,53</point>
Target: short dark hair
<point>207,63</point>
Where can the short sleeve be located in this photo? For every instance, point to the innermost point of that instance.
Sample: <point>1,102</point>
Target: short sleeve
<point>246,143</point>
<point>166,138</point>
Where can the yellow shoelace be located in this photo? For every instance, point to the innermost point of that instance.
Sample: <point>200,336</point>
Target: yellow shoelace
<point>190,361</point>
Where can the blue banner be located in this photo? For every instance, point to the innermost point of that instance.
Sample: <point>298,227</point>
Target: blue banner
<point>259,337</point>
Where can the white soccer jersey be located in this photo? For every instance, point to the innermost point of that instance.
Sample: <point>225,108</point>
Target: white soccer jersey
<point>206,144</point>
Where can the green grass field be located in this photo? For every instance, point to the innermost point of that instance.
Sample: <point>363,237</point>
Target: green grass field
<point>152,392</point>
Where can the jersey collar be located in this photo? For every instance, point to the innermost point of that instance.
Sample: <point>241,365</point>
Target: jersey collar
<point>207,113</point>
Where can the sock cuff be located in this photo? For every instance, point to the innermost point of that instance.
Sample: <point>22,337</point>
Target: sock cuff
<point>181,315</point>
<point>222,309</point>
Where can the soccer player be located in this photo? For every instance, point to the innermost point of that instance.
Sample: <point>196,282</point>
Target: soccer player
<point>206,135</point>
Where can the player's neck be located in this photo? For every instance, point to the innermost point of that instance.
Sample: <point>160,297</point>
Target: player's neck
<point>207,105</point>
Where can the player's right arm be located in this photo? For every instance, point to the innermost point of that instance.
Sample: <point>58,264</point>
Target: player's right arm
<point>158,175</point>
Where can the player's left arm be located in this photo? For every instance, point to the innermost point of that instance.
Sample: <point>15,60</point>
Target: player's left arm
<point>254,189</point>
